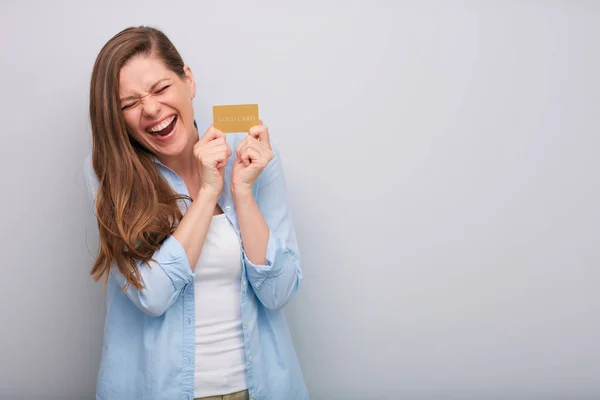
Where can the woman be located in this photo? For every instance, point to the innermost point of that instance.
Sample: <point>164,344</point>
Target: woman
<point>197,246</point>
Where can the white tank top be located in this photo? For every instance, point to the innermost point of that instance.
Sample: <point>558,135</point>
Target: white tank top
<point>220,355</point>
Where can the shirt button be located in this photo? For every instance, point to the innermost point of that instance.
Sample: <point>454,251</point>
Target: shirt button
<point>250,358</point>
<point>227,208</point>
<point>244,283</point>
<point>245,323</point>
<point>253,395</point>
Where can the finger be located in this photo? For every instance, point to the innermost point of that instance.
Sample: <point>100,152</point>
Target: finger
<point>216,142</point>
<point>245,159</point>
<point>222,150</point>
<point>260,132</point>
<point>229,152</point>
<point>257,147</point>
<point>249,155</point>
<point>221,164</point>
<point>208,155</point>
<point>202,150</point>
<point>248,142</point>
<point>240,149</point>
<point>219,159</point>
<point>263,138</point>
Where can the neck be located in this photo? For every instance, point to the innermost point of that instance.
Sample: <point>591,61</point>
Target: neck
<point>184,164</point>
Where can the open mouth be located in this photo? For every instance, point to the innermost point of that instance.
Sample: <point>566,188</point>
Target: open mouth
<point>164,128</point>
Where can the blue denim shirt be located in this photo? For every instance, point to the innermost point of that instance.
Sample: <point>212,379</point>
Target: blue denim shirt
<point>148,350</point>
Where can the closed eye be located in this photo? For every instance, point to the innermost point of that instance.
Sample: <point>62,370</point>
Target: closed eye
<point>162,89</point>
<point>159,91</point>
<point>127,106</point>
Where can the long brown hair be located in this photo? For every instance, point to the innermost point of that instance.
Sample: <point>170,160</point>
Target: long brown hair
<point>135,207</point>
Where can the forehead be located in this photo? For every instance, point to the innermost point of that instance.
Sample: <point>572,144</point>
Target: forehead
<point>141,72</point>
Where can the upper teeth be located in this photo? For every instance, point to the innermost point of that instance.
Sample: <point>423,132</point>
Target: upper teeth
<point>162,125</point>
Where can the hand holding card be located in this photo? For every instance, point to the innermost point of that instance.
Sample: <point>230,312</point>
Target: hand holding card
<point>211,153</point>
<point>252,156</point>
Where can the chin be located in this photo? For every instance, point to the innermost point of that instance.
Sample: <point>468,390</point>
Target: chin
<point>174,148</point>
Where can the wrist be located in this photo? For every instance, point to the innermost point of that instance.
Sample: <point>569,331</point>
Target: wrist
<point>241,191</point>
<point>210,194</point>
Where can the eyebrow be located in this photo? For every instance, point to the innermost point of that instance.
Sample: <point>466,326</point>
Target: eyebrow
<point>151,89</point>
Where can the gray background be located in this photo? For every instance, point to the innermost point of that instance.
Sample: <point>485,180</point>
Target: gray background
<point>441,159</point>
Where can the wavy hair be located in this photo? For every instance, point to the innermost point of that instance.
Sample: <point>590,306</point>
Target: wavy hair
<point>136,208</point>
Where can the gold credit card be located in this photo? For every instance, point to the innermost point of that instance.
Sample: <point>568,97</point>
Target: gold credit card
<point>235,118</point>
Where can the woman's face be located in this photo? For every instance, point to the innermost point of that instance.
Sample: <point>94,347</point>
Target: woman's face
<point>157,105</point>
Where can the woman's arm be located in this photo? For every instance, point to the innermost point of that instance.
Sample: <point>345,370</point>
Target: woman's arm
<point>175,261</point>
<point>270,250</point>
<point>167,275</point>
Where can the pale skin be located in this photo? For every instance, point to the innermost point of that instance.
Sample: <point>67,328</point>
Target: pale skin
<point>151,93</point>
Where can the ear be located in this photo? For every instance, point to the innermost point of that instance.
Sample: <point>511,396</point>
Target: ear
<point>189,79</point>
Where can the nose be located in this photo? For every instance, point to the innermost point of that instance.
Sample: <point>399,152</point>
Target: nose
<point>150,106</point>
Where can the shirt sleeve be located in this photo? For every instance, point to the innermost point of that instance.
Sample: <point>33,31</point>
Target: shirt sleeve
<point>167,275</point>
<point>277,281</point>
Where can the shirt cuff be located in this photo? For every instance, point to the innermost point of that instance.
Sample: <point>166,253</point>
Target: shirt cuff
<point>172,258</point>
<point>277,260</point>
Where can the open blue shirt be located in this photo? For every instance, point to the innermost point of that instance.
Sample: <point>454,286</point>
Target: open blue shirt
<point>148,350</point>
